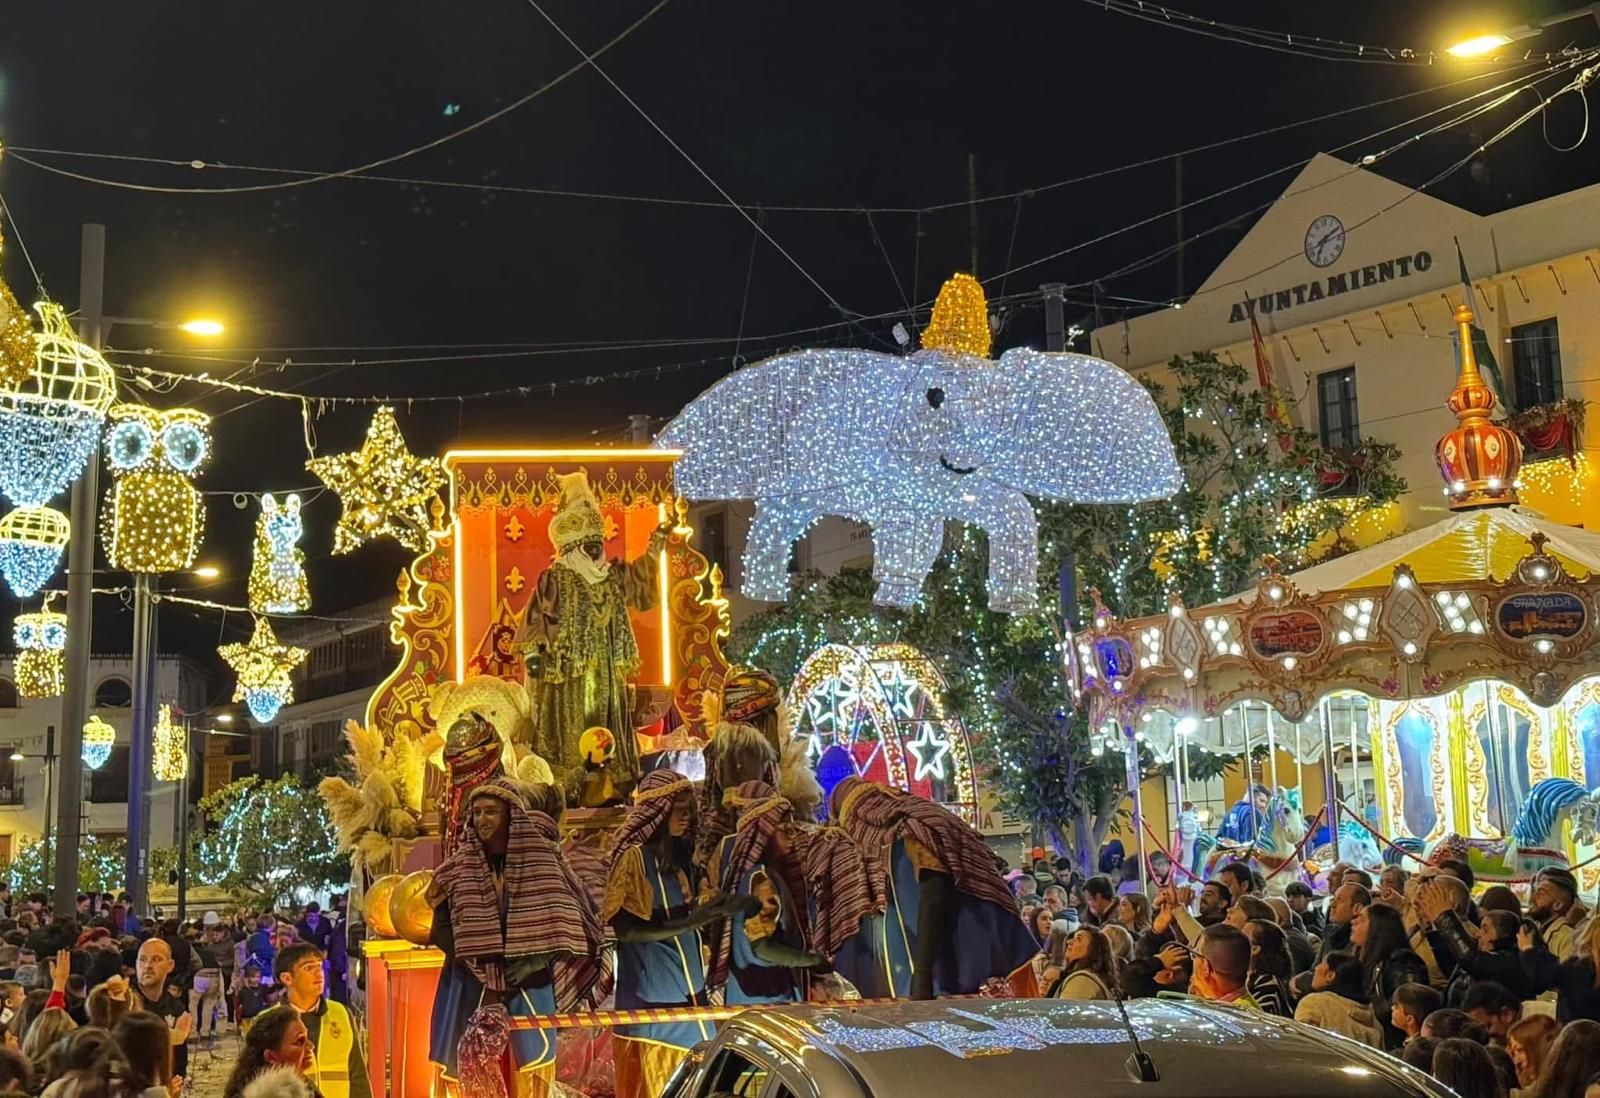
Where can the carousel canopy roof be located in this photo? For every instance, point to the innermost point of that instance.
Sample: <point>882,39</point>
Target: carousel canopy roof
<point>1466,546</point>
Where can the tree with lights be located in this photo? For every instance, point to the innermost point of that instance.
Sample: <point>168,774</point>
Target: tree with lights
<point>1255,486</point>
<point>271,839</point>
<point>101,864</point>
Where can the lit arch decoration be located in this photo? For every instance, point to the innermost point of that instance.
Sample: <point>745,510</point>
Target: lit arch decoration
<point>886,707</point>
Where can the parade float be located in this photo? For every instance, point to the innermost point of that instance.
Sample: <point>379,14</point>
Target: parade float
<point>1445,684</point>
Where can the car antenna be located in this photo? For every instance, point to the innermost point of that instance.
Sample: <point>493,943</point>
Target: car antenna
<point>1141,1069</point>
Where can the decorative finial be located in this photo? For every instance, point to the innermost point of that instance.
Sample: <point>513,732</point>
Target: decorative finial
<point>1479,460</point>
<point>960,322</point>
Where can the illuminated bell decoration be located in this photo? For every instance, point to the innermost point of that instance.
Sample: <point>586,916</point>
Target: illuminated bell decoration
<point>277,571</point>
<point>384,489</point>
<point>154,516</point>
<point>264,667</point>
<point>1479,460</point>
<point>98,740</point>
<point>50,421</point>
<point>41,640</point>
<point>169,758</point>
<point>904,444</point>
<point>32,540</point>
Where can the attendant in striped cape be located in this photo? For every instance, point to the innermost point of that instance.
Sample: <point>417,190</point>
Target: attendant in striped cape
<point>951,923</point>
<point>814,891</point>
<point>650,904</point>
<point>519,931</point>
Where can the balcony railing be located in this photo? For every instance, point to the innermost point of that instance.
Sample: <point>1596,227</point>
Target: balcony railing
<point>11,796</point>
<point>1553,430</point>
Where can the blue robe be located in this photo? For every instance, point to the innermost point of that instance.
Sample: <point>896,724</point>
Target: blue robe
<point>750,979</point>
<point>1240,823</point>
<point>460,994</point>
<point>663,974</point>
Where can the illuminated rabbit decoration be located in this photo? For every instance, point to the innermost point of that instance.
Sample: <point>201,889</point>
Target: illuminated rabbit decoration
<point>154,515</point>
<point>277,572</point>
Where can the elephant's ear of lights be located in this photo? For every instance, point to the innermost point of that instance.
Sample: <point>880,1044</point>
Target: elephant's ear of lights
<point>822,425</point>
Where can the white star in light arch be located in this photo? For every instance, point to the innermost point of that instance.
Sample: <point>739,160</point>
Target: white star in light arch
<point>929,749</point>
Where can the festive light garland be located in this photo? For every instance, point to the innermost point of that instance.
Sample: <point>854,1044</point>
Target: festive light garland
<point>905,443</point>
<point>32,540</point>
<point>277,570</point>
<point>154,516</point>
<point>41,640</point>
<point>264,668</point>
<point>98,740</point>
<point>16,337</point>
<point>169,758</point>
<point>384,488</point>
<point>50,421</point>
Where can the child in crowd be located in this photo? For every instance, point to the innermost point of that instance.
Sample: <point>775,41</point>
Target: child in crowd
<point>253,997</point>
<point>1412,1004</point>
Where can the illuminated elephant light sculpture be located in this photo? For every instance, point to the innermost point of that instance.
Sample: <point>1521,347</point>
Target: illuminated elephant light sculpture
<point>903,444</point>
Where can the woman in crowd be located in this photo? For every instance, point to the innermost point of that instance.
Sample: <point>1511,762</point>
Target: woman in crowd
<point>277,1039</point>
<point>1090,969</point>
<point>1528,1043</point>
<point>1464,1066</point>
<point>108,1002</point>
<point>1041,922</point>
<point>1576,980</point>
<point>1381,940</point>
<point>52,1025</point>
<point>1572,1060</point>
<point>1338,1001</point>
<point>1270,967</point>
<point>143,1041</point>
<point>1122,944</point>
<point>86,1050</point>
<point>1133,913</point>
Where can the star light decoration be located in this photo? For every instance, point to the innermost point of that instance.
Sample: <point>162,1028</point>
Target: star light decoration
<point>384,488</point>
<point>904,444</point>
<point>169,756</point>
<point>41,640</point>
<point>264,668</point>
<point>98,740</point>
<point>154,517</point>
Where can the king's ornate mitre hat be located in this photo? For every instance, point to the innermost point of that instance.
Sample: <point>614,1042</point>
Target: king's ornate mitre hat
<point>578,518</point>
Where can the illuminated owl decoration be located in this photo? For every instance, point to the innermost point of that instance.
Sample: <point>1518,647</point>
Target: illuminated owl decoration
<point>154,516</point>
<point>277,572</point>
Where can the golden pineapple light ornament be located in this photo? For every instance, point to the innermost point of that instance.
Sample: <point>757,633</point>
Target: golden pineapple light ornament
<point>98,740</point>
<point>169,759</point>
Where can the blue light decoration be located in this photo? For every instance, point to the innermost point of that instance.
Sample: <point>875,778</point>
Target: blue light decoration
<point>50,421</point>
<point>32,540</point>
<point>98,740</point>
<point>906,443</point>
<point>264,668</point>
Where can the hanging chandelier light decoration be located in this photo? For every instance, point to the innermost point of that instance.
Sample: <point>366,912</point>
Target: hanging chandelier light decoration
<point>41,640</point>
<point>264,668</point>
<point>906,443</point>
<point>169,759</point>
<point>32,540</point>
<point>98,740</point>
<point>50,420</point>
<point>154,516</point>
<point>384,488</point>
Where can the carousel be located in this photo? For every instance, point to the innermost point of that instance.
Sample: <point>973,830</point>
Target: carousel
<point>1441,688</point>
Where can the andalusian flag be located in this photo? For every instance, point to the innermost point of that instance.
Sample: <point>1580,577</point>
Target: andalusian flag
<point>1480,341</point>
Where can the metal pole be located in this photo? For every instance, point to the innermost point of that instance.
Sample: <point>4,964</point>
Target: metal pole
<point>80,594</point>
<point>140,750</point>
<point>1329,792</point>
<point>1055,339</point>
<point>1272,749</point>
<point>183,823</point>
<point>49,761</point>
<point>972,208</point>
<point>1249,779</point>
<point>1355,770</point>
<point>1131,747</point>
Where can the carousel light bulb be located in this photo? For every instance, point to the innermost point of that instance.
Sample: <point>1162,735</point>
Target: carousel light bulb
<point>1545,647</point>
<point>264,669</point>
<point>1186,726</point>
<point>384,489</point>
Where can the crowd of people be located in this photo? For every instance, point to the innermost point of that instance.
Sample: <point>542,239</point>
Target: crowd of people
<point>104,1004</point>
<point>1493,996</point>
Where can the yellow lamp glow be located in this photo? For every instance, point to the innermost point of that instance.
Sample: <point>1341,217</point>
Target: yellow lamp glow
<point>208,572</point>
<point>201,327</point>
<point>1477,47</point>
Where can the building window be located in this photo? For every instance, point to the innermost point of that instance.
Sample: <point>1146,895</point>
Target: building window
<point>1536,363</point>
<point>714,539</point>
<point>8,694</point>
<point>109,784</point>
<point>1337,419</point>
<point>113,693</point>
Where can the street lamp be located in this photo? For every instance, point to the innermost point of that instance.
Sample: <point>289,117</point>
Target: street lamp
<point>205,327</point>
<point>1480,45</point>
<point>207,572</point>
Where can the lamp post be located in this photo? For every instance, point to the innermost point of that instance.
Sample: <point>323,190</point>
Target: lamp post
<point>93,327</point>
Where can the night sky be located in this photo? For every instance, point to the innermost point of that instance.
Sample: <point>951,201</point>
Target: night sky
<point>840,104</point>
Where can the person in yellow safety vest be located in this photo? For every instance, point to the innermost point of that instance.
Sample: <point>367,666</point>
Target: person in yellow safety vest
<point>341,1071</point>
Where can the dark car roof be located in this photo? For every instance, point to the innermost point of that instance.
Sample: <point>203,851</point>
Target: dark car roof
<point>1005,1047</point>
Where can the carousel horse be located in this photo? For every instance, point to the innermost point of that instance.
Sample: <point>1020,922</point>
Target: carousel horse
<point>1274,854</point>
<point>1536,841</point>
